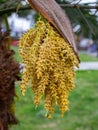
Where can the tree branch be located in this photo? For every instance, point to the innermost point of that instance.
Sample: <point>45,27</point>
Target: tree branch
<point>14,9</point>
<point>79,6</point>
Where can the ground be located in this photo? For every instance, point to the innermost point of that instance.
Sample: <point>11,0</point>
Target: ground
<point>83,108</point>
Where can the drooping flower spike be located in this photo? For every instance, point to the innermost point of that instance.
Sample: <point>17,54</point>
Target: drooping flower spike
<point>49,66</point>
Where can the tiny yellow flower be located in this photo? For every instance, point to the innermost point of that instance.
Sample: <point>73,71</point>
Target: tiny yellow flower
<point>49,66</point>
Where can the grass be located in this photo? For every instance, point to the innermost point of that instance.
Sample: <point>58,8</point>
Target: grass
<point>84,57</point>
<point>17,56</point>
<point>83,114</point>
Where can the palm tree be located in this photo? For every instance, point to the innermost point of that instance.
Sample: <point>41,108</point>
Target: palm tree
<point>86,19</point>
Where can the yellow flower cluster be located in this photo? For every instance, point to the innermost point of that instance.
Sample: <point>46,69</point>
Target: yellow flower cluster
<point>49,66</point>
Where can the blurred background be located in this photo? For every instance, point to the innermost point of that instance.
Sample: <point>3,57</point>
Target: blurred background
<point>83,112</point>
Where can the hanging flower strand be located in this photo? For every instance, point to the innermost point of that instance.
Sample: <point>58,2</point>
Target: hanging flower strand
<point>49,65</point>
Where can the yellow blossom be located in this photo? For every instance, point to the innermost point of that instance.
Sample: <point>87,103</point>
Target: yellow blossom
<point>49,66</point>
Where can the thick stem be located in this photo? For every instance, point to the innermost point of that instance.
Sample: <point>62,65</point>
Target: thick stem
<point>8,29</point>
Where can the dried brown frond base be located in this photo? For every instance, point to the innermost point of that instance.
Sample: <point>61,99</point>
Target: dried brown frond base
<point>9,70</point>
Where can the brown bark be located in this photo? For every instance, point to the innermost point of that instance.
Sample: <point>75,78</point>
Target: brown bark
<point>9,70</point>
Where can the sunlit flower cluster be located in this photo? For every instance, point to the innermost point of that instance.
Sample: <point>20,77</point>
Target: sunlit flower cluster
<point>49,66</point>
